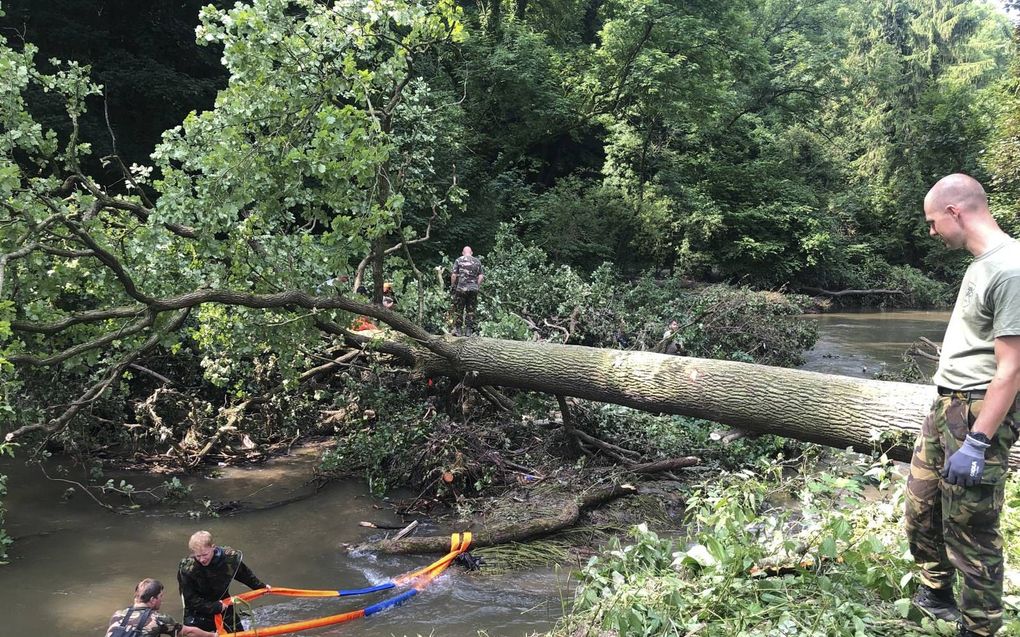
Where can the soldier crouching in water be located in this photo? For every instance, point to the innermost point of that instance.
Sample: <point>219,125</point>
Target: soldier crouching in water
<point>958,470</point>
<point>144,619</point>
<point>205,577</point>
<point>465,280</point>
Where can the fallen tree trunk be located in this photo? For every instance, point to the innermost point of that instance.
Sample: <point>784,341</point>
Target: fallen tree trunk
<point>838,293</point>
<point>565,516</point>
<point>836,411</point>
<point>664,465</point>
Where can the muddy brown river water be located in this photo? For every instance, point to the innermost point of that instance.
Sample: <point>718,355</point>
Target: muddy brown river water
<point>74,563</point>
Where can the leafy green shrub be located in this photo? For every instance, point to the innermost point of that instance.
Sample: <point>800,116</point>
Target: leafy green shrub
<point>921,291</point>
<point>580,222</point>
<point>380,431</point>
<point>864,270</point>
<point>1010,528</point>
<point>764,557</point>
<point>395,434</point>
<point>741,324</point>
<point>527,295</point>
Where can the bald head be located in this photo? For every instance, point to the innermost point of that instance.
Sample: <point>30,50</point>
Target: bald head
<point>959,190</point>
<point>956,210</point>
<point>466,251</point>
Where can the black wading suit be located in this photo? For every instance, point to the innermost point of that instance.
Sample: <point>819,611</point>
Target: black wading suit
<point>202,587</point>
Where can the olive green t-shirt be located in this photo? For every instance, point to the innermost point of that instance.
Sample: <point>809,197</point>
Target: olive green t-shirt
<point>987,307</point>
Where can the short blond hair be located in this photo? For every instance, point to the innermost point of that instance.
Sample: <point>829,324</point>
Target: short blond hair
<point>200,540</point>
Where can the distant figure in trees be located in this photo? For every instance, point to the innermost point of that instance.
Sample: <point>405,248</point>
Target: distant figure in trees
<point>465,280</point>
<point>389,298</point>
<point>143,619</point>
<point>205,577</point>
<point>958,470</point>
<point>620,336</point>
<point>670,344</point>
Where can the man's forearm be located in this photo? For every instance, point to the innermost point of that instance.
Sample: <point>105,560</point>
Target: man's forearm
<point>999,399</point>
<point>247,577</point>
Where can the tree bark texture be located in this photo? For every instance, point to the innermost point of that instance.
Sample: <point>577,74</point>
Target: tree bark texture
<point>836,411</point>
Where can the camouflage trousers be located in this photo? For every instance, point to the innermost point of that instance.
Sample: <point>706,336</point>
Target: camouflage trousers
<point>465,303</point>
<point>954,528</point>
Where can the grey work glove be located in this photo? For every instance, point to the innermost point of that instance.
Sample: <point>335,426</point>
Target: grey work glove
<point>967,465</point>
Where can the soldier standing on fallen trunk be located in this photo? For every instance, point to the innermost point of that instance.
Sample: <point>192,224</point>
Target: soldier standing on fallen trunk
<point>465,280</point>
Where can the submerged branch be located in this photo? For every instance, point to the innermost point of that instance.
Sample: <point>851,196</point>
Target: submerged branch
<point>566,517</point>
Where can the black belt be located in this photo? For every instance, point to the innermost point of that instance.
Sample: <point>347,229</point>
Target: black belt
<point>974,394</point>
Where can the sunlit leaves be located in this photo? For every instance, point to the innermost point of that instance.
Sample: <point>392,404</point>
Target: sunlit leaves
<point>310,122</point>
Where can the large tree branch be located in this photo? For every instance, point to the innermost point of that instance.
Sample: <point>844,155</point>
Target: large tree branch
<point>106,339</point>
<point>11,256</point>
<point>141,213</point>
<point>111,262</point>
<point>96,391</point>
<point>838,293</point>
<point>116,156</point>
<point>359,272</point>
<point>503,531</point>
<point>298,298</point>
<point>90,316</point>
<point>33,229</point>
<point>769,96</point>
<point>398,350</point>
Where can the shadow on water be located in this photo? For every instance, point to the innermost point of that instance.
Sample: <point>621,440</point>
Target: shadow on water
<point>75,563</point>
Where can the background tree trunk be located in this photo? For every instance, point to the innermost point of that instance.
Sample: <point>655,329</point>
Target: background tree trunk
<point>837,411</point>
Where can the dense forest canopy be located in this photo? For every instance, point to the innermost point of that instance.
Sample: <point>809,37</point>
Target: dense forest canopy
<point>709,138</point>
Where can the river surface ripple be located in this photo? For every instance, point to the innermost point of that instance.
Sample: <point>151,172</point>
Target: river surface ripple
<point>863,343</point>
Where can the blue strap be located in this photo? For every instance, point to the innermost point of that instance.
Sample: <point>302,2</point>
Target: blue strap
<point>365,591</point>
<point>393,601</point>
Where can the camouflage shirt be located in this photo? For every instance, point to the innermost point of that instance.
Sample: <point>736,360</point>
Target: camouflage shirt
<point>467,270</point>
<point>203,586</point>
<point>158,624</point>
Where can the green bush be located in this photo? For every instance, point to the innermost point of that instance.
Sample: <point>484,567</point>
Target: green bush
<point>527,296</point>
<point>382,429</point>
<point>921,291</point>
<point>765,556</point>
<point>675,436</point>
<point>863,270</point>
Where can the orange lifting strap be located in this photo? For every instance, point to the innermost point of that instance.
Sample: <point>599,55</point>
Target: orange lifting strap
<point>417,580</point>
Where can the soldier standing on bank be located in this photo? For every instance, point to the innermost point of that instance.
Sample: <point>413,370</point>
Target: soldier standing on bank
<point>465,280</point>
<point>958,470</point>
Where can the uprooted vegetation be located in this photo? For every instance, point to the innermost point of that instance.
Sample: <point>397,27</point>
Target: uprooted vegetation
<point>198,401</point>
